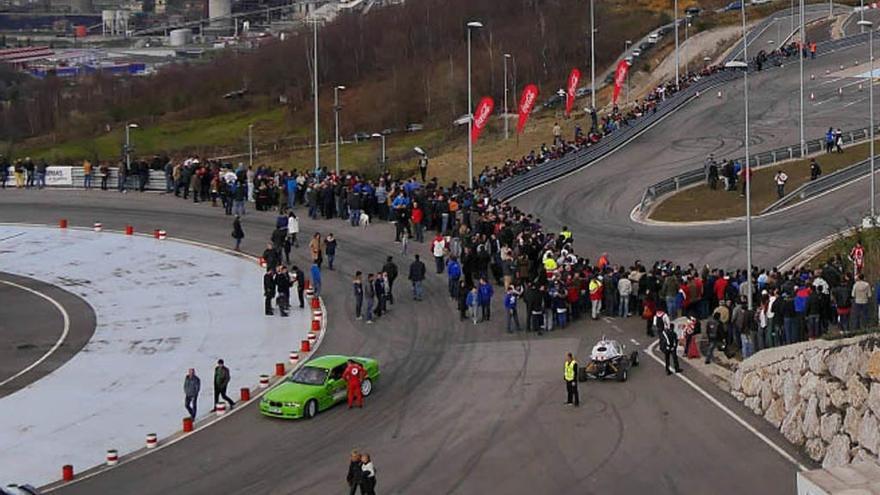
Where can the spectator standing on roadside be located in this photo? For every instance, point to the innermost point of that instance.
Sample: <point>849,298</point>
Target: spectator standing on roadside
<point>390,270</point>
<point>191,387</point>
<point>122,176</point>
<point>299,283</point>
<point>221,382</point>
<point>510,305</point>
<point>41,173</point>
<point>485,299</point>
<point>417,272</point>
<point>417,217</point>
<point>438,246</point>
<point>315,250</point>
<point>370,296</point>
<point>269,289</point>
<point>330,249</point>
<point>861,293</point>
<point>292,228</point>
<point>282,285</point>
<point>829,140</point>
<point>87,174</point>
<point>557,134</point>
<point>571,386</point>
<point>358,287</point>
<point>780,179</point>
<point>237,232</point>
<point>838,140</point>
<point>105,176</point>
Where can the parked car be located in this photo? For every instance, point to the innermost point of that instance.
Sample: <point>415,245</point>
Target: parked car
<point>463,120</point>
<point>733,6</point>
<point>644,46</point>
<point>653,38</point>
<point>695,11</point>
<point>581,92</point>
<point>636,52</point>
<point>390,130</point>
<point>415,128</point>
<point>554,101</point>
<point>360,136</point>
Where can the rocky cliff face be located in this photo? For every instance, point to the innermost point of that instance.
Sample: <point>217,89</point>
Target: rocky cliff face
<point>824,396</point>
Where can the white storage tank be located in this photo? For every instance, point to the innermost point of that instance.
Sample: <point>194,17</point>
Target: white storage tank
<point>180,37</point>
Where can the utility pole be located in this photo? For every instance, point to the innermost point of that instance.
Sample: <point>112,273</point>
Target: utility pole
<point>315,101</point>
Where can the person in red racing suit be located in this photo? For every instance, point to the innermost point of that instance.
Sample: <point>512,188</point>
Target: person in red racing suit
<point>354,374</point>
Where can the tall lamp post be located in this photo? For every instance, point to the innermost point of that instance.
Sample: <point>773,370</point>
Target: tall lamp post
<point>687,24</point>
<point>628,59</point>
<point>382,159</point>
<point>315,96</point>
<point>128,128</point>
<point>747,166</point>
<point>592,56</point>
<point>870,26</point>
<point>251,146</point>
<point>506,123</point>
<point>801,58</point>
<point>677,63</point>
<point>336,109</point>
<point>470,149</point>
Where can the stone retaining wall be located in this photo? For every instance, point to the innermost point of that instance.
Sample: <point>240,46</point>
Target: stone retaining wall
<point>824,396</point>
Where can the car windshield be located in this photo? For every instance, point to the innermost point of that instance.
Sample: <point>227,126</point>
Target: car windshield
<point>309,375</point>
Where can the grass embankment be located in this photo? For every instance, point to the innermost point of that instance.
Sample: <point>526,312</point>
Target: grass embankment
<point>700,203</point>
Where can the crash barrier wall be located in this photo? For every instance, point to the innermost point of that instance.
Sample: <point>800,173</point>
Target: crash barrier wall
<point>821,185</point>
<point>757,160</point>
<point>156,180</point>
<point>552,170</point>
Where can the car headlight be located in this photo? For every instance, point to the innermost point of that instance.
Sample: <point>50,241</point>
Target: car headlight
<point>294,405</point>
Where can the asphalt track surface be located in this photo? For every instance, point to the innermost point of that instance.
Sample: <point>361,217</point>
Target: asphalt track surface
<point>30,326</point>
<point>459,408</point>
<point>469,409</point>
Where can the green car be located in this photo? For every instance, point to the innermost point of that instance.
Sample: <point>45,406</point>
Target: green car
<point>315,387</point>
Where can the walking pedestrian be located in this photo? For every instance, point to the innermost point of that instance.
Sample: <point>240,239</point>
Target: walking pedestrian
<point>669,345</point>
<point>237,232</point>
<point>571,386</point>
<point>316,279</point>
<point>221,381</point>
<point>780,179</point>
<point>417,272</point>
<point>330,250</point>
<point>355,473</point>
<point>269,290</point>
<point>191,387</point>
<point>510,302</point>
<point>390,269</point>
<point>368,482</point>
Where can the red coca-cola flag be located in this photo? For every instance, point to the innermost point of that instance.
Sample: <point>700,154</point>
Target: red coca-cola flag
<point>619,79</point>
<point>526,103</point>
<point>481,117</point>
<point>573,78</point>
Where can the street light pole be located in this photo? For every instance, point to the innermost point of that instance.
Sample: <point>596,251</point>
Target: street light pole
<point>626,46</point>
<point>470,147</point>
<point>506,123</point>
<point>127,147</point>
<point>382,159</point>
<point>251,146</point>
<point>677,63</point>
<point>336,119</point>
<point>315,103</point>
<point>801,58</point>
<point>687,24</point>
<point>592,56</point>
<point>870,26</point>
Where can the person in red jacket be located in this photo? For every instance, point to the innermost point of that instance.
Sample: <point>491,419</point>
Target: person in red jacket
<point>416,217</point>
<point>354,374</point>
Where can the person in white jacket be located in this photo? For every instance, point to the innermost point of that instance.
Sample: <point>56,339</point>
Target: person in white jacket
<point>292,228</point>
<point>624,289</point>
<point>368,482</point>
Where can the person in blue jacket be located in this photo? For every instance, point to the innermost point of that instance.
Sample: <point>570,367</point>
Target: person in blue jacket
<point>485,299</point>
<point>472,300</point>
<point>453,271</point>
<point>510,301</point>
<point>316,279</point>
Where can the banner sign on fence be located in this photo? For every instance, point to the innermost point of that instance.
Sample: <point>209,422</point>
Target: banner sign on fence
<point>59,176</point>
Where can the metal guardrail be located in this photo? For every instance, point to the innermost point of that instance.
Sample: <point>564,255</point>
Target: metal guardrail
<point>821,185</point>
<point>156,181</point>
<point>757,160</point>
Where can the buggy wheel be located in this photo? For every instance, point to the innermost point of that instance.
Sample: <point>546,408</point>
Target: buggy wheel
<point>634,358</point>
<point>621,375</point>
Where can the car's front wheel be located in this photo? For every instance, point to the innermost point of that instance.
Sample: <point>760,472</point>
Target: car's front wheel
<point>621,375</point>
<point>311,409</point>
<point>366,387</point>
